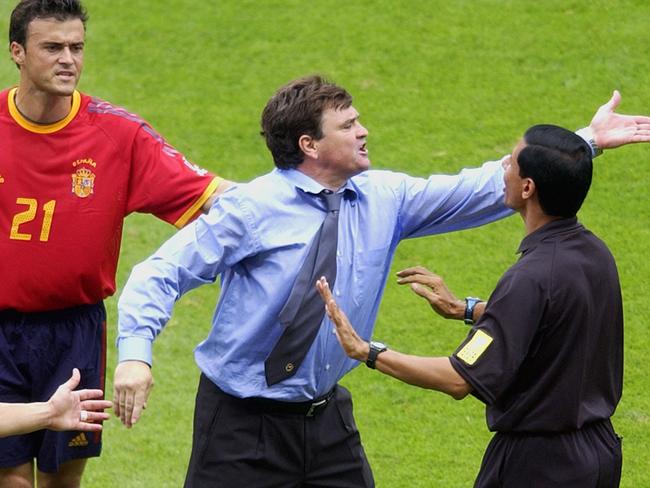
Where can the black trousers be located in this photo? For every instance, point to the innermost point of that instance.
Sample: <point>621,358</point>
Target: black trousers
<point>587,458</point>
<point>260,444</point>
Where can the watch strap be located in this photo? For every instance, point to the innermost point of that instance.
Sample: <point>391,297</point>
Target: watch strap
<point>375,349</point>
<point>470,303</point>
<point>588,137</point>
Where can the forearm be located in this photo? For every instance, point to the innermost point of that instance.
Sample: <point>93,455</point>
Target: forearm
<point>148,298</point>
<point>479,309</point>
<point>453,308</point>
<point>434,373</point>
<point>143,310</point>
<point>21,418</point>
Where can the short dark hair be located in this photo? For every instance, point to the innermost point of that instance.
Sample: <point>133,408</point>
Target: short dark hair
<point>295,110</point>
<point>28,10</point>
<point>559,162</point>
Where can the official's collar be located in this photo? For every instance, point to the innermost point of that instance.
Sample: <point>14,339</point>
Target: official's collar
<point>550,229</point>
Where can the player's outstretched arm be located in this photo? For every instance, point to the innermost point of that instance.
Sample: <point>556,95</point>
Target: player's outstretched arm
<point>610,129</point>
<point>132,384</point>
<point>65,410</point>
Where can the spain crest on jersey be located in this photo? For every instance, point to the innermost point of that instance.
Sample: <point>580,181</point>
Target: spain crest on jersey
<point>83,182</point>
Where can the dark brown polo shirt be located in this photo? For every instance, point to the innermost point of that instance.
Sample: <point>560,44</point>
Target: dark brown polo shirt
<point>547,355</point>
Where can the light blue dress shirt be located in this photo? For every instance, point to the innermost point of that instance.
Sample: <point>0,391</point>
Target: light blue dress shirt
<point>256,237</point>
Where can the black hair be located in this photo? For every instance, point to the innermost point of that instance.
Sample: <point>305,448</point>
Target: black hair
<point>296,109</point>
<point>560,164</point>
<point>28,10</point>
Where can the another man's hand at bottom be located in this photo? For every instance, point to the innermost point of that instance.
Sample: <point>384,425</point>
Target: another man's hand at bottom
<point>132,384</point>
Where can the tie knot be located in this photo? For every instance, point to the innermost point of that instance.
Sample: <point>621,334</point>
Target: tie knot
<point>332,200</point>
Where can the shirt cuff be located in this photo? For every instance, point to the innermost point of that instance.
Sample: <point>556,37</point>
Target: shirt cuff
<point>135,349</point>
<point>588,137</point>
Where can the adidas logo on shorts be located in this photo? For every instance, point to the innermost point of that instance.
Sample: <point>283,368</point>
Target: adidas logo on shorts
<point>79,441</point>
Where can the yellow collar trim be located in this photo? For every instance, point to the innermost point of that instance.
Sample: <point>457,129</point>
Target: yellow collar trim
<point>38,128</point>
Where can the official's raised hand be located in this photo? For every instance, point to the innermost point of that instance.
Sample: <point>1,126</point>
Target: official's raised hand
<point>353,345</point>
<point>433,289</point>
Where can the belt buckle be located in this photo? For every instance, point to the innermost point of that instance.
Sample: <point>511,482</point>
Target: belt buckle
<point>314,406</point>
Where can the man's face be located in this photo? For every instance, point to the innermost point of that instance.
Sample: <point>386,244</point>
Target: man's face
<point>342,149</point>
<point>513,182</point>
<point>52,58</point>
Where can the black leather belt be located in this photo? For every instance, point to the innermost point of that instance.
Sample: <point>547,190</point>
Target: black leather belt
<point>307,409</point>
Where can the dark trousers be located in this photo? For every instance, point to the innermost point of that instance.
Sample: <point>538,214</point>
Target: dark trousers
<point>259,444</point>
<point>587,458</point>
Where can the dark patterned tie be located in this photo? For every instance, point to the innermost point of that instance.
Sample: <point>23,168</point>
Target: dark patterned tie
<point>302,314</point>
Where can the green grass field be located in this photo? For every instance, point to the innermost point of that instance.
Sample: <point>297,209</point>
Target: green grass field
<point>440,85</point>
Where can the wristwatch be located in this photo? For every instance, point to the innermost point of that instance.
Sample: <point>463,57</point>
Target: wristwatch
<point>588,137</point>
<point>470,303</point>
<point>376,348</point>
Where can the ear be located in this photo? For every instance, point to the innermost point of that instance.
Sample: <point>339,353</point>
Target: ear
<point>308,145</point>
<point>528,189</point>
<point>17,53</point>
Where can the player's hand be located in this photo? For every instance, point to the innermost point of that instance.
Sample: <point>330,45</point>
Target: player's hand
<point>76,410</point>
<point>433,289</point>
<point>132,383</point>
<point>353,345</point>
<point>612,130</point>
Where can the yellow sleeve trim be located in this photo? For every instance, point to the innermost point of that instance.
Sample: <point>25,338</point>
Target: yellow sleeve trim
<point>38,128</point>
<point>475,348</point>
<point>189,213</point>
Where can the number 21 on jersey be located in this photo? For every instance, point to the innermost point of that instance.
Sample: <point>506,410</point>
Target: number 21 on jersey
<point>29,215</point>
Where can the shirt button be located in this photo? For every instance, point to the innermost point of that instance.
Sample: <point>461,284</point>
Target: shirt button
<point>327,367</point>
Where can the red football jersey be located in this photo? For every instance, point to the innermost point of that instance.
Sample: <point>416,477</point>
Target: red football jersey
<point>65,189</point>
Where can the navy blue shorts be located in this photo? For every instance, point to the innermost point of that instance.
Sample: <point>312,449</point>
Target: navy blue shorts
<point>37,354</point>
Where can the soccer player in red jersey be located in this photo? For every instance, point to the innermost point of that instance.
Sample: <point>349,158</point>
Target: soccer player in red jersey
<point>71,168</point>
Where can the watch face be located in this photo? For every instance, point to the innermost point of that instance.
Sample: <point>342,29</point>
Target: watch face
<point>378,345</point>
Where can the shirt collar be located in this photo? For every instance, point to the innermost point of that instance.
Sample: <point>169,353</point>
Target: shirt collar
<point>303,182</point>
<point>42,128</point>
<point>551,229</point>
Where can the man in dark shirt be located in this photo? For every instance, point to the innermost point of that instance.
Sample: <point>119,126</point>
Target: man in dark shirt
<point>546,352</point>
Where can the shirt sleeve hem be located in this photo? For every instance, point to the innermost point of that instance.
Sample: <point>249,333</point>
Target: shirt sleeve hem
<point>477,389</point>
<point>135,349</point>
<point>196,206</point>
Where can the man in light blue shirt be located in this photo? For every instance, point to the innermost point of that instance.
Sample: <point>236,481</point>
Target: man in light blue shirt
<point>300,431</point>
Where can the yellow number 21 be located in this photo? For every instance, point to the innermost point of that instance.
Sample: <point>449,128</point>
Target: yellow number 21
<point>29,215</point>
